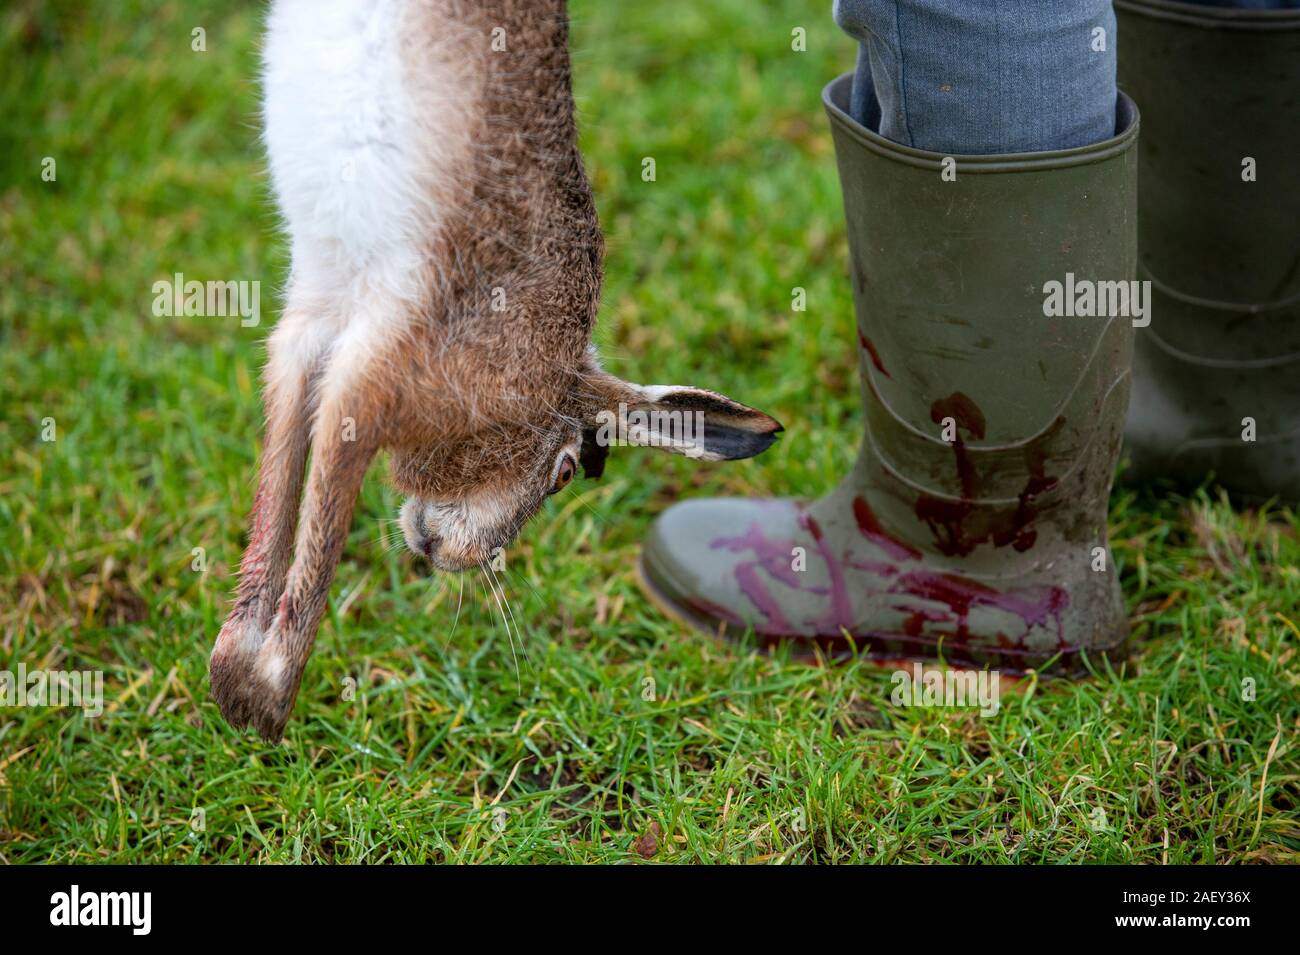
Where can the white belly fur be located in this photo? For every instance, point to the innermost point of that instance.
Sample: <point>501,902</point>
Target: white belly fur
<point>348,149</point>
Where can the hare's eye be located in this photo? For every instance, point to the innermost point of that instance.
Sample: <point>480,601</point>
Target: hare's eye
<point>564,474</point>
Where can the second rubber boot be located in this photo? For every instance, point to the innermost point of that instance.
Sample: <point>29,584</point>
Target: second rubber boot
<point>973,525</point>
<point>1216,378</point>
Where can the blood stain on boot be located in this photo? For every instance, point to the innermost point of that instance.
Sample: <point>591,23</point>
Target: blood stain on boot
<point>872,530</point>
<point>1034,606</point>
<point>870,349</point>
<point>752,587</point>
<point>967,417</point>
<point>962,410</point>
<point>773,556</point>
<point>840,615</point>
<point>914,625</point>
<point>948,518</point>
<point>1020,534</point>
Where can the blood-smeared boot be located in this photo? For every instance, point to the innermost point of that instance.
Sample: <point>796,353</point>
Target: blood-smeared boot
<point>973,525</point>
<point>1216,378</point>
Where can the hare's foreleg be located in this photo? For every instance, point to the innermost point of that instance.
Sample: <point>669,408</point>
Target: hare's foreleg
<point>291,363</point>
<point>343,444</point>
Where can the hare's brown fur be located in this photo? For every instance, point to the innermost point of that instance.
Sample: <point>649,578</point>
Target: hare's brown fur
<point>459,341</point>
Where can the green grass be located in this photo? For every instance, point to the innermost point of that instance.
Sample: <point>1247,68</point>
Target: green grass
<point>739,757</point>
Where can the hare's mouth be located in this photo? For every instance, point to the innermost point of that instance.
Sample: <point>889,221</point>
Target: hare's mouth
<point>433,548</point>
<point>449,564</point>
<point>438,532</point>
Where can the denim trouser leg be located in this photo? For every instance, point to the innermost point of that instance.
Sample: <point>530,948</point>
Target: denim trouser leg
<point>989,76</point>
<point>984,76</point>
<point>1250,4</point>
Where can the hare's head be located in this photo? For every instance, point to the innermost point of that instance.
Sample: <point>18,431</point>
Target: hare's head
<point>469,498</point>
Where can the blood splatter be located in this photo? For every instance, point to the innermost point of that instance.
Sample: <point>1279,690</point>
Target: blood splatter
<point>962,410</point>
<point>946,519</point>
<point>949,519</point>
<point>840,614</point>
<point>870,349</point>
<point>1034,606</point>
<point>871,529</point>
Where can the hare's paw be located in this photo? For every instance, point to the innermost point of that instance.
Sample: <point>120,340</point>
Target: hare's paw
<point>230,668</point>
<point>275,675</point>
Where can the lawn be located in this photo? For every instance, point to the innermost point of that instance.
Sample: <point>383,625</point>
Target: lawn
<point>579,725</point>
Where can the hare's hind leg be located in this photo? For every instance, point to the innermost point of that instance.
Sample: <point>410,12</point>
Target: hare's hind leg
<point>293,358</point>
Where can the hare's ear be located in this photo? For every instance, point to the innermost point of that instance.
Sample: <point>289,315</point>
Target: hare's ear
<point>676,418</point>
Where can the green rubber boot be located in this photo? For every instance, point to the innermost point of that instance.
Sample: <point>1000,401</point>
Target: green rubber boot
<point>1216,384</point>
<point>973,525</point>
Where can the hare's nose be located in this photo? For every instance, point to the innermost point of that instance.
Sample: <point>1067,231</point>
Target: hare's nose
<point>429,545</point>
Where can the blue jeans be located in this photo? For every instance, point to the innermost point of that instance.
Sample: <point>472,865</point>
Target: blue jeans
<point>976,77</point>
